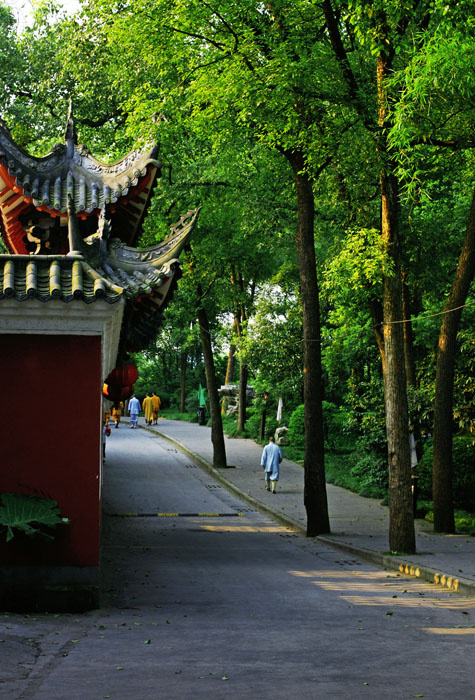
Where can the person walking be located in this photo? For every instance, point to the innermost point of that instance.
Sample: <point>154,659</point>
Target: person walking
<point>270,461</point>
<point>134,410</point>
<point>106,431</point>
<point>155,407</point>
<point>147,406</point>
<point>117,413</point>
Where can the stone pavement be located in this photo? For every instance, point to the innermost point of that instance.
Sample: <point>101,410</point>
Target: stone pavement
<point>358,525</point>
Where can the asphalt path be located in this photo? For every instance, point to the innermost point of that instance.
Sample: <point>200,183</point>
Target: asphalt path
<point>208,599</point>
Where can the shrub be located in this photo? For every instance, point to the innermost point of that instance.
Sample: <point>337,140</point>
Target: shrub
<point>253,423</point>
<point>296,432</point>
<point>192,405</point>
<point>463,456</point>
<point>335,421</point>
<point>371,474</point>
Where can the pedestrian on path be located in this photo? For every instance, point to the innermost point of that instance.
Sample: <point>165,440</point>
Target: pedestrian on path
<point>106,431</point>
<point>270,460</point>
<point>155,407</point>
<point>134,410</point>
<point>117,413</point>
<point>147,406</point>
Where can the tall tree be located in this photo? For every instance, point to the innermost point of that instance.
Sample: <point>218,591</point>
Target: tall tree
<point>383,26</point>
<point>217,435</point>
<point>436,110</point>
<point>257,70</point>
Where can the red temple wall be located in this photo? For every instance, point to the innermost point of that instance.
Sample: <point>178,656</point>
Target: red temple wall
<point>50,440</point>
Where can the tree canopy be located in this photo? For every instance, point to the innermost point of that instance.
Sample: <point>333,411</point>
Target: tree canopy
<point>330,147</point>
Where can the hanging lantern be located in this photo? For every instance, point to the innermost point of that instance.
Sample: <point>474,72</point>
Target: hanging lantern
<point>126,392</point>
<point>125,375</point>
<point>117,393</point>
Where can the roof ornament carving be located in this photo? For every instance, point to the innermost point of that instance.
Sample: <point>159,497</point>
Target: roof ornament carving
<point>70,135</point>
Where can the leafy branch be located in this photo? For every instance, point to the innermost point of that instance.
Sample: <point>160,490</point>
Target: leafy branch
<point>29,515</point>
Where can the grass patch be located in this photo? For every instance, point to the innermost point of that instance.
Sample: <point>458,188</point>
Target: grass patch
<point>338,471</point>
<point>174,414</point>
<point>464,521</point>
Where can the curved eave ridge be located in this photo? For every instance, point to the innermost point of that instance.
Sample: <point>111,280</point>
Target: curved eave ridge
<point>72,170</point>
<point>45,278</point>
<point>136,284</point>
<point>42,277</point>
<point>151,258</point>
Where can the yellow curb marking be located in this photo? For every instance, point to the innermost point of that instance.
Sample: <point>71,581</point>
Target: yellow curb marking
<point>439,579</point>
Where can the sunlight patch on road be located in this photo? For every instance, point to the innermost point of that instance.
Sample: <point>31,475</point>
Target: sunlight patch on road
<point>410,602</point>
<point>391,586</point>
<point>330,573</point>
<point>449,630</point>
<point>245,528</point>
<point>378,588</point>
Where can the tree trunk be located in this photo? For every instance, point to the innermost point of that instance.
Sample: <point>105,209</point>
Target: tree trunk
<point>444,382</point>
<point>183,366</point>
<point>376,310</point>
<point>262,433</point>
<point>401,516</point>
<point>401,527</point>
<point>217,435</point>
<point>230,365</point>
<point>229,374</point>
<point>315,495</point>
<point>242,408</point>
<point>408,335</point>
<point>239,318</point>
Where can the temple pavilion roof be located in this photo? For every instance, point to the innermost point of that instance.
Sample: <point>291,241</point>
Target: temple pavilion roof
<point>46,277</point>
<point>145,278</point>
<point>70,223</point>
<point>69,170</point>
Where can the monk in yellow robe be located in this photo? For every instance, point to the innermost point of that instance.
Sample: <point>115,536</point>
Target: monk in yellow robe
<point>117,413</point>
<point>147,406</point>
<point>155,407</point>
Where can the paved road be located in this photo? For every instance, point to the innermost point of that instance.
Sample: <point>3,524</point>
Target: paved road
<point>358,525</point>
<point>232,606</point>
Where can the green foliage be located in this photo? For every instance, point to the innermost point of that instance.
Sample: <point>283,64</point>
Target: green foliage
<point>272,347</point>
<point>464,522</point>
<point>226,92</point>
<point>296,432</point>
<point>338,471</point>
<point>360,259</point>
<point>173,414</point>
<point>464,390</point>
<point>463,457</point>
<point>254,417</point>
<point>367,424</point>
<point>336,421</point>
<point>29,515</point>
<point>371,472</point>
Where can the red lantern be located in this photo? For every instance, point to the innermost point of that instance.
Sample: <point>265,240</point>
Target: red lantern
<point>117,393</point>
<point>125,375</point>
<point>126,392</point>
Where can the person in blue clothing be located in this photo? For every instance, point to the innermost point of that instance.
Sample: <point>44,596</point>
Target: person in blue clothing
<point>270,460</point>
<point>134,410</point>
